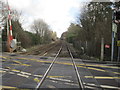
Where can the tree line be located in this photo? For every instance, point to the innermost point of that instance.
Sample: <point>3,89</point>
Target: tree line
<point>94,28</point>
<point>40,31</point>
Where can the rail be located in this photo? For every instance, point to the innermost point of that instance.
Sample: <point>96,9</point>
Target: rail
<point>46,73</point>
<point>80,82</point>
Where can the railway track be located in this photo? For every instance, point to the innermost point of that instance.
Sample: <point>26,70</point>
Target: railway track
<point>80,82</point>
<point>42,50</point>
<point>42,75</point>
<point>64,47</point>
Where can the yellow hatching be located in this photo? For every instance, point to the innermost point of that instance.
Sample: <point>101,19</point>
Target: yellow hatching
<point>37,80</point>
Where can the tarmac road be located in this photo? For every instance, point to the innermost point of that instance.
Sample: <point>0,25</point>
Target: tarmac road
<point>21,71</point>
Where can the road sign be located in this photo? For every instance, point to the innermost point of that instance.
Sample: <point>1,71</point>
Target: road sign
<point>14,44</point>
<point>107,46</point>
<point>114,27</point>
<point>118,43</point>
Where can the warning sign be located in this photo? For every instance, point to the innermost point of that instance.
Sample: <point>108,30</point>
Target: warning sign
<point>14,44</point>
<point>114,27</point>
<point>107,46</point>
<point>118,43</point>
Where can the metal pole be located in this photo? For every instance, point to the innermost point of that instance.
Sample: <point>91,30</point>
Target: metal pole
<point>102,49</point>
<point>118,59</point>
<point>112,48</point>
<point>113,40</point>
<point>10,36</point>
<point>8,40</point>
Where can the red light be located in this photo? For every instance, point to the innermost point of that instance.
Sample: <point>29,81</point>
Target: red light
<point>107,46</point>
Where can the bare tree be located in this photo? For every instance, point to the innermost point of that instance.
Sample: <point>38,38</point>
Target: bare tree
<point>42,30</point>
<point>40,27</point>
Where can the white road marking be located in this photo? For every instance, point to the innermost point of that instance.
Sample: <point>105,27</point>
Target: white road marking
<point>50,86</point>
<point>11,72</point>
<point>110,87</point>
<point>5,69</point>
<point>103,86</point>
<point>23,75</point>
<point>37,75</point>
<point>93,88</point>
<point>65,80</point>
<point>72,84</point>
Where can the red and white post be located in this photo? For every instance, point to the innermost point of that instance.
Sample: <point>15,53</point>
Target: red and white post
<point>10,35</point>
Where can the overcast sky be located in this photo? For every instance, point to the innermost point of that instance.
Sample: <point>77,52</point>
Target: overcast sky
<point>58,14</point>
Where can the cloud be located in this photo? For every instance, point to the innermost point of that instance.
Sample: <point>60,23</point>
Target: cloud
<point>57,13</point>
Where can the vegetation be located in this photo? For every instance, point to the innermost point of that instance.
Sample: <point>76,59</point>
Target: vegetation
<point>42,35</point>
<point>93,29</point>
<point>42,32</point>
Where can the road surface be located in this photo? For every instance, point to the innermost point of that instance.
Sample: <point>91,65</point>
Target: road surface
<point>26,71</point>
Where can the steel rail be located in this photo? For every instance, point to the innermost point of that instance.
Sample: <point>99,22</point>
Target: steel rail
<point>49,49</point>
<point>46,73</point>
<point>37,49</point>
<point>77,73</point>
